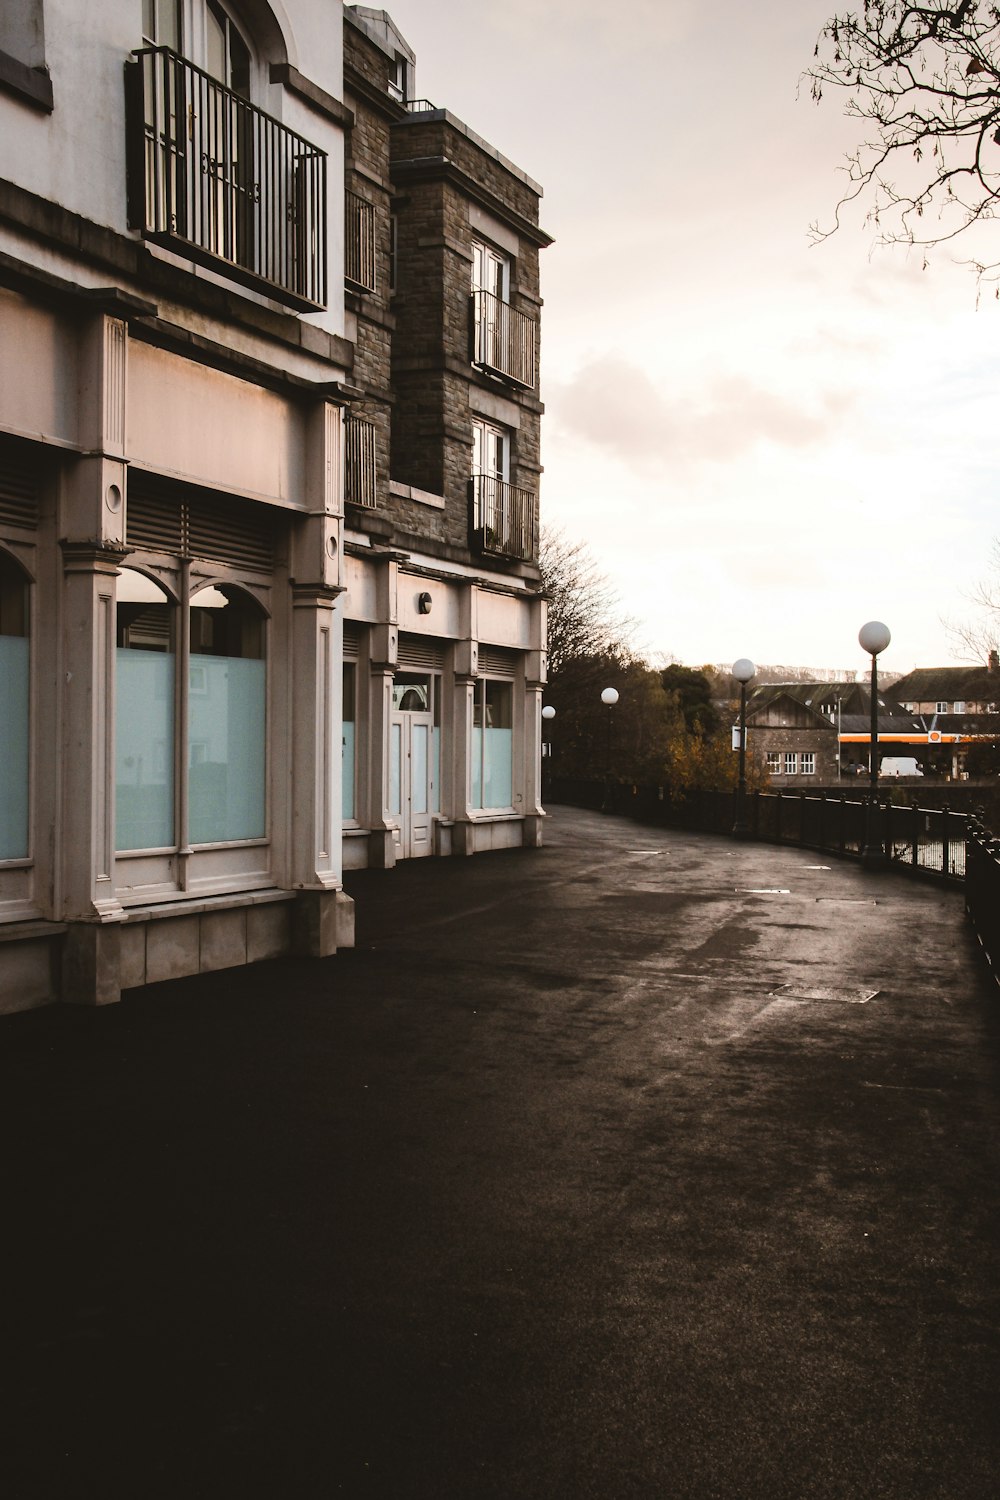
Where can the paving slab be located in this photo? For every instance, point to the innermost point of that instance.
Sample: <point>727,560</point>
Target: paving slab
<point>646,1164</point>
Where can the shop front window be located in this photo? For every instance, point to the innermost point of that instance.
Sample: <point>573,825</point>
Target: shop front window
<point>14,716</point>
<point>227,718</point>
<point>144,721</point>
<point>492,745</point>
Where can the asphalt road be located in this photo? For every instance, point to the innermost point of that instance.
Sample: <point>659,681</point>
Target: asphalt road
<point>591,1173</point>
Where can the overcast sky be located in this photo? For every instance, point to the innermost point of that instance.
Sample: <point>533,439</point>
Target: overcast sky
<point>765,443</point>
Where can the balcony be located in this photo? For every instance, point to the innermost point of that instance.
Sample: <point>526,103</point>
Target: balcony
<point>360,474</point>
<point>359,242</point>
<point>218,181</point>
<point>503,518</point>
<point>503,340</point>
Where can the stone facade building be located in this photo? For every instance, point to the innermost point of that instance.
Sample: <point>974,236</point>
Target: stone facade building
<point>444,620</point>
<point>206,537</point>
<point>809,734</point>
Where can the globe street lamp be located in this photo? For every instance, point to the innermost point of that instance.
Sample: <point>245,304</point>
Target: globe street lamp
<point>873,638</point>
<point>609,698</point>
<point>743,671</point>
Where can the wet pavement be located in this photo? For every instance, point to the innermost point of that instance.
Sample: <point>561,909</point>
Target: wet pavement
<point>643,1165</point>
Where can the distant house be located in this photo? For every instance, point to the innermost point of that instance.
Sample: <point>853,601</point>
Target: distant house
<point>959,707</point>
<point>812,733</point>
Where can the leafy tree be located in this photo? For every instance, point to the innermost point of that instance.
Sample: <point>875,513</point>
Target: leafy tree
<point>925,79</point>
<point>626,741</point>
<point>692,692</point>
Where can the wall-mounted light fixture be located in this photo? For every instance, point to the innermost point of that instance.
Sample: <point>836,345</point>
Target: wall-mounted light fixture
<point>425,603</point>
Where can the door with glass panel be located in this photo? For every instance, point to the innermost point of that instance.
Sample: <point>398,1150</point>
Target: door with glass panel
<point>414,754</point>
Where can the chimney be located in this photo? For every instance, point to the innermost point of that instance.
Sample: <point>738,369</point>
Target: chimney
<point>993,664</point>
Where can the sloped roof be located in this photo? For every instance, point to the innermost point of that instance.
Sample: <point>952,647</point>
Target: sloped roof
<point>946,684</point>
<point>855,706</point>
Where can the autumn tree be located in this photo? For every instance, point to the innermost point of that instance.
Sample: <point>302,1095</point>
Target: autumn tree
<point>925,82</point>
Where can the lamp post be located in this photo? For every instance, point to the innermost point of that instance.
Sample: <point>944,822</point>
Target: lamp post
<point>743,671</point>
<point>548,714</point>
<point>873,638</point>
<point>609,698</point>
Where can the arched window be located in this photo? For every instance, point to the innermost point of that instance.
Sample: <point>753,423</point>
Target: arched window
<point>227,717</point>
<point>144,726</point>
<point>14,708</point>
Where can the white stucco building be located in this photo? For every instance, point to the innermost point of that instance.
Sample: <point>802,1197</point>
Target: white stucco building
<point>176,561</point>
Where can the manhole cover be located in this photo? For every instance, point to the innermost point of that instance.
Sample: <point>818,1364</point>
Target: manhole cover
<point>823,992</point>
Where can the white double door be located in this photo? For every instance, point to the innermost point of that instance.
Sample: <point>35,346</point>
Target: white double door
<point>413,769</point>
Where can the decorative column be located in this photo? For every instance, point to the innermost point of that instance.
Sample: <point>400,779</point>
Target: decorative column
<point>324,915</point>
<point>466,679</point>
<point>384,659</point>
<point>535,678</point>
<point>92,531</point>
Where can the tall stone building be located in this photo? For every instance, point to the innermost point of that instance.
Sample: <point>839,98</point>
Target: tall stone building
<point>264,594</point>
<point>444,622</point>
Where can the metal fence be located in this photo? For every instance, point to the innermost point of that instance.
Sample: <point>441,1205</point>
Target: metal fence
<point>359,241</point>
<point>503,339</point>
<point>503,517</point>
<point>216,179</point>
<point>930,843</point>
<point>982,890</point>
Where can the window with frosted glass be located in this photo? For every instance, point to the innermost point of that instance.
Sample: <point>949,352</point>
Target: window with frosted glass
<point>145,664</point>
<point>492,745</point>
<point>14,698</point>
<point>348,763</point>
<point>227,718</point>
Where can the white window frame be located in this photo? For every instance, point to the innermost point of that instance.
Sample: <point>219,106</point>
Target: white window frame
<point>480,703</point>
<point>773,762</point>
<point>807,763</point>
<point>189,684</point>
<point>484,435</point>
<point>490,270</point>
<point>940,708</point>
<point>791,762</point>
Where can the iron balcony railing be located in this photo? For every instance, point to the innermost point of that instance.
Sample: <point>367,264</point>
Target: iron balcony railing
<point>503,339</point>
<point>503,518</point>
<point>222,183</point>
<point>360,474</point>
<point>359,241</point>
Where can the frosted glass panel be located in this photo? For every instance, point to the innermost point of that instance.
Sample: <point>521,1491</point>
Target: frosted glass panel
<point>13,747</point>
<point>395,791</point>
<point>477,768</point>
<point>347,773</point>
<point>144,750</point>
<point>498,768</point>
<point>418,768</point>
<point>226,749</point>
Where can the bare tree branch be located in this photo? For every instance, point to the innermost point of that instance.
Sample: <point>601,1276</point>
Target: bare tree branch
<point>926,80</point>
